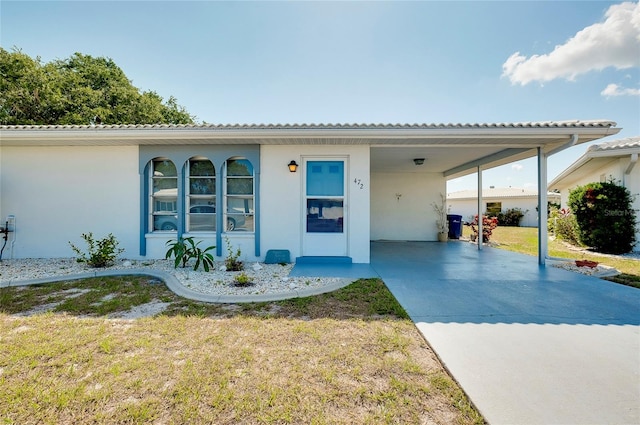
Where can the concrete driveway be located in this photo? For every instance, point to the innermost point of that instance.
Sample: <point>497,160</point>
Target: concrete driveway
<point>528,344</point>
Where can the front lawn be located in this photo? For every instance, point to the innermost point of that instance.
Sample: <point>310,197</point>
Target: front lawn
<point>349,357</point>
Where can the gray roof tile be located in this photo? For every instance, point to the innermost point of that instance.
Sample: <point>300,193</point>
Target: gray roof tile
<point>629,142</point>
<point>406,126</point>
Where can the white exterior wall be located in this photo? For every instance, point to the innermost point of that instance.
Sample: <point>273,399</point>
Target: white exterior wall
<point>411,217</point>
<point>468,208</point>
<point>58,193</point>
<point>615,170</point>
<point>281,197</point>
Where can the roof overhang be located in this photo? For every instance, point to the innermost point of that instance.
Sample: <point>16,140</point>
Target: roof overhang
<point>451,149</point>
<point>589,162</point>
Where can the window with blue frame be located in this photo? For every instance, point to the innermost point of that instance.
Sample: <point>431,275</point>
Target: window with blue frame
<point>164,196</point>
<point>201,196</point>
<point>239,195</point>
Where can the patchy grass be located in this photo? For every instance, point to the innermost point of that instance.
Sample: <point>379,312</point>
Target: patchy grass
<point>350,357</point>
<point>525,241</point>
<point>626,279</point>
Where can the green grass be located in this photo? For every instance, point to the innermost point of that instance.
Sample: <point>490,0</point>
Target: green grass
<point>348,357</point>
<point>525,241</point>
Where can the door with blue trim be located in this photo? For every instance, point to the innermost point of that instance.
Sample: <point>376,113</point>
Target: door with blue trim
<point>324,221</point>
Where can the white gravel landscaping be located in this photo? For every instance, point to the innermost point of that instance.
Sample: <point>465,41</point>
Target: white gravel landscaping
<point>265,278</point>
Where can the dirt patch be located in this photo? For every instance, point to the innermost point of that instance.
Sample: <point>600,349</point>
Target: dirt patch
<point>144,310</point>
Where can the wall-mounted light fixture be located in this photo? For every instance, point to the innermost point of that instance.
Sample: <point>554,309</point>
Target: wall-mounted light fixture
<point>293,166</point>
<point>418,161</point>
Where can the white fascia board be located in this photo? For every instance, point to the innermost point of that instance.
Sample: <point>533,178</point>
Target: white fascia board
<point>515,135</point>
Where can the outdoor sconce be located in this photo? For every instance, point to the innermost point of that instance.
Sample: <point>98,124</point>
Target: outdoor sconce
<point>293,166</point>
<point>418,161</point>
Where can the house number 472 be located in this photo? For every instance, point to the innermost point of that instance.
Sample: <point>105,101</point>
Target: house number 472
<point>358,183</point>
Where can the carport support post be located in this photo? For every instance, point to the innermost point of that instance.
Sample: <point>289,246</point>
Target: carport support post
<point>542,207</point>
<point>480,221</point>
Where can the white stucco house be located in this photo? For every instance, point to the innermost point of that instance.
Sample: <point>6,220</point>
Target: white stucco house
<point>617,160</point>
<point>496,199</point>
<point>148,184</point>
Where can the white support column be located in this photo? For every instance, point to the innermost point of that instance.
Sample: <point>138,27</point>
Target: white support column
<point>479,207</point>
<point>543,237</point>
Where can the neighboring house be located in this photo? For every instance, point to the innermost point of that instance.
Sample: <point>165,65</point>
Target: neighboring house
<point>148,184</point>
<point>495,200</point>
<point>617,160</point>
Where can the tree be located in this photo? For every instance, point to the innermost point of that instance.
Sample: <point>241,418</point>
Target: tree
<point>78,90</point>
<point>605,217</point>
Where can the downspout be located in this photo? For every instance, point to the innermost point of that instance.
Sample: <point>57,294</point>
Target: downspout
<point>632,162</point>
<point>570,143</point>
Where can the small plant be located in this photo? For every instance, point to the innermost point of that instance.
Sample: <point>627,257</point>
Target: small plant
<point>101,253</point>
<point>488,224</point>
<point>562,223</point>
<point>441,214</point>
<point>232,262</point>
<point>184,249</point>
<point>242,279</point>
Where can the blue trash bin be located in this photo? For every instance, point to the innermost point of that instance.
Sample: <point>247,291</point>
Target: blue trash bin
<point>455,226</point>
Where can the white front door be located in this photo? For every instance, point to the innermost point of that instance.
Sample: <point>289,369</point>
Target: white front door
<point>325,205</point>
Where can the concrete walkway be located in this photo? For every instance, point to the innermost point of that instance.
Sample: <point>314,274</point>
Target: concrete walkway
<point>528,344</point>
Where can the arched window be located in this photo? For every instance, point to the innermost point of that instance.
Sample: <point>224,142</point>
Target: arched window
<point>239,198</point>
<point>201,196</point>
<point>164,196</point>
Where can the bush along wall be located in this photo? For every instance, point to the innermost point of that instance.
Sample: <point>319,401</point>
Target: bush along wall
<point>511,217</point>
<point>605,217</point>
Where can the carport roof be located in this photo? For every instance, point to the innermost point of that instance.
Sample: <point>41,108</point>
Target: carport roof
<point>451,149</point>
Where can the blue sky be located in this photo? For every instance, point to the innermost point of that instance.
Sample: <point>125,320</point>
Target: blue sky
<point>361,62</point>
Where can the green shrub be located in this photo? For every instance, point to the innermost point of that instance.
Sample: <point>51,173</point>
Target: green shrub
<point>101,253</point>
<point>242,279</point>
<point>605,218</point>
<point>562,223</point>
<point>184,249</point>
<point>511,217</point>
<point>232,262</point>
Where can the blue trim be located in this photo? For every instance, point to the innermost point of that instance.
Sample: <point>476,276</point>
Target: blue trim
<point>256,210</point>
<point>144,209</point>
<point>323,260</point>
<point>219,203</point>
<point>181,201</point>
<point>180,155</point>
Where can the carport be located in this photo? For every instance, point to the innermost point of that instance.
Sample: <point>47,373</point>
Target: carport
<point>456,150</point>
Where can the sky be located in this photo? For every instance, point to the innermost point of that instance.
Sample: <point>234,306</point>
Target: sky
<point>362,62</point>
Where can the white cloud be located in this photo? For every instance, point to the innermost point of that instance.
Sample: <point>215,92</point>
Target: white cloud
<point>517,167</point>
<point>616,90</point>
<point>615,42</point>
